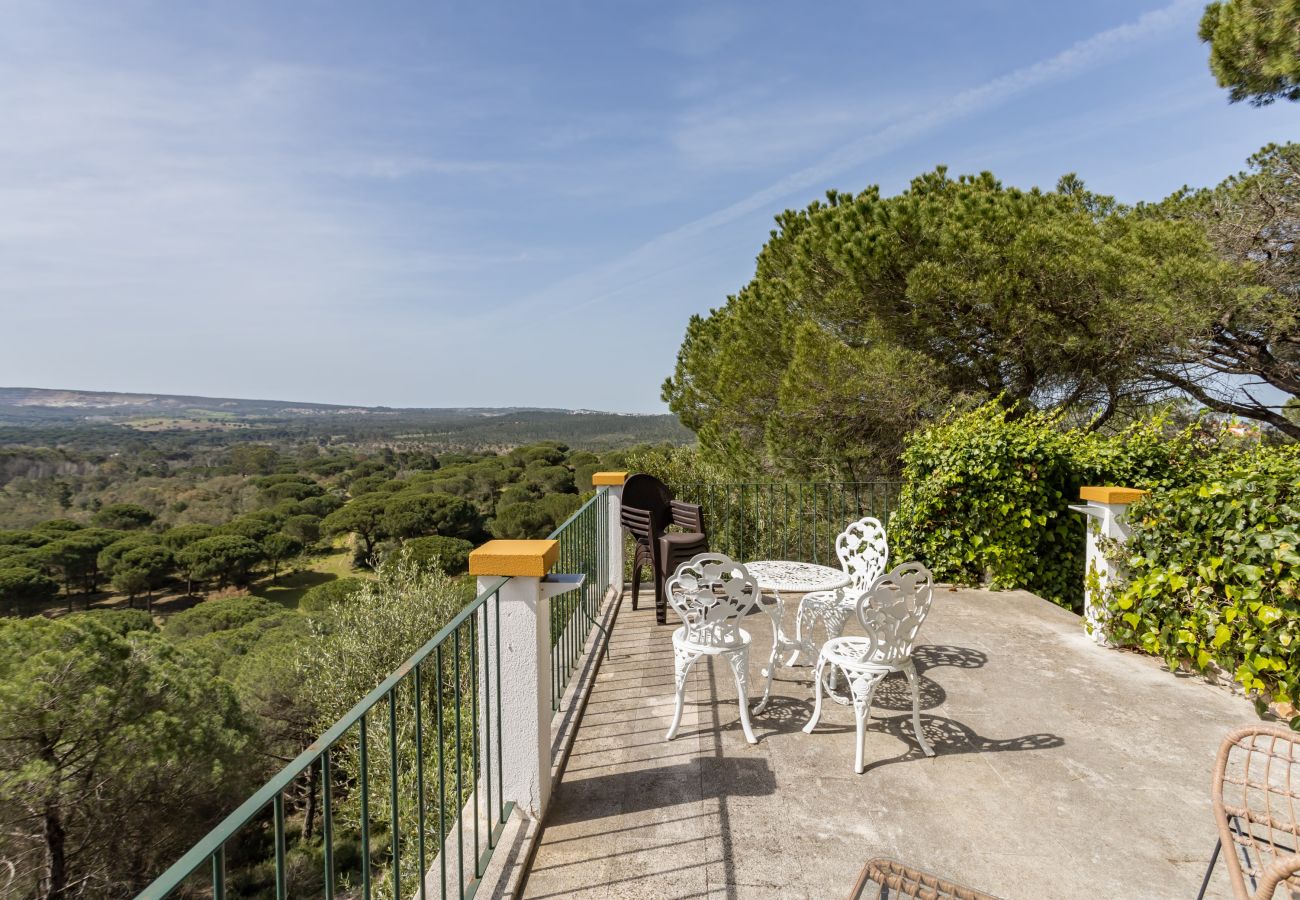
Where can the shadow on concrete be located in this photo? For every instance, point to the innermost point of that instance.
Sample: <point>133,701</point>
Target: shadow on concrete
<point>931,656</point>
<point>621,792</point>
<point>949,737</point>
<point>894,694</point>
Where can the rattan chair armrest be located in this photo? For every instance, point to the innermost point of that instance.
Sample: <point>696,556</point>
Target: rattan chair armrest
<point>1276,874</point>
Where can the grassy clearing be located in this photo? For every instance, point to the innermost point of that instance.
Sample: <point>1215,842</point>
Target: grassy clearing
<point>288,590</point>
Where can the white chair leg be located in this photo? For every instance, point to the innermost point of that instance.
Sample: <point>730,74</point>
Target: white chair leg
<point>862,692</point>
<point>767,687</point>
<point>798,633</point>
<point>817,702</point>
<point>739,660</point>
<point>683,662</point>
<point>834,628</point>
<point>915,681</point>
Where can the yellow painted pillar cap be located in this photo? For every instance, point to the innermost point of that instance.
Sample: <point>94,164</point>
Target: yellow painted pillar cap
<point>530,559</point>
<point>1111,494</point>
<point>608,479</point>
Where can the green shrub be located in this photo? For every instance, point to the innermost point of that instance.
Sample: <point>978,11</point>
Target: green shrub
<point>119,621</point>
<point>331,593</point>
<point>987,494</point>
<point>451,554</point>
<point>1212,574</point>
<point>220,615</point>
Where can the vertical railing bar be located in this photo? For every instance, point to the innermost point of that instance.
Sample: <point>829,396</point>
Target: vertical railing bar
<point>551,638</point>
<point>277,811</point>
<point>442,770</point>
<point>219,873</point>
<point>802,516</point>
<point>418,687</point>
<point>500,759</point>
<point>473,732</point>
<point>364,743</point>
<point>555,656</point>
<point>771,520</point>
<point>814,524</point>
<point>487,724</point>
<point>327,819</point>
<point>396,841</point>
<point>785,521</point>
<point>460,792</point>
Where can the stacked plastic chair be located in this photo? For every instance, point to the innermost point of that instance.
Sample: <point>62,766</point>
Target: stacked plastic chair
<point>648,511</point>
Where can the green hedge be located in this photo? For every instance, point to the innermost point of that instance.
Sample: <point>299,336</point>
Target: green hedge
<point>987,493</point>
<point>1212,574</point>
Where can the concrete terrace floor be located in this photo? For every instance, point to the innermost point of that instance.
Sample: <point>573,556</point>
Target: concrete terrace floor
<point>1063,770</point>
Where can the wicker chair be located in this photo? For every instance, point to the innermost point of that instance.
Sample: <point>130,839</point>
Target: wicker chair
<point>1256,796</point>
<point>888,879</point>
<point>648,511</point>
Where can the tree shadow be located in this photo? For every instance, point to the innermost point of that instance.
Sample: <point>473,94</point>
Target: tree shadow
<point>175,603</point>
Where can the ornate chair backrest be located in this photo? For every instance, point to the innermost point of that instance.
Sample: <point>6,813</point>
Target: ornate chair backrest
<point>712,593</point>
<point>1256,797</point>
<point>891,612</point>
<point>863,550</point>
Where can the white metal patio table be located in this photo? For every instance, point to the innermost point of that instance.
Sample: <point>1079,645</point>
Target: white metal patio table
<point>778,577</point>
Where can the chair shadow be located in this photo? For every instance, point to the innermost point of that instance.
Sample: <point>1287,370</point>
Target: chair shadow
<point>949,737</point>
<point>786,715</point>
<point>931,656</point>
<point>895,694</point>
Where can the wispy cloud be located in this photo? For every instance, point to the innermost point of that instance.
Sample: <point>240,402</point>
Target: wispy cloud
<point>603,282</point>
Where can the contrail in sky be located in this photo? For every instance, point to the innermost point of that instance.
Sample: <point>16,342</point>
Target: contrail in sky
<point>602,282</point>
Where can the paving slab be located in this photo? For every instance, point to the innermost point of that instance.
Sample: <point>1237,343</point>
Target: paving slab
<point>1063,769</point>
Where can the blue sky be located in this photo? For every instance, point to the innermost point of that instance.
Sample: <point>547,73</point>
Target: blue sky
<point>490,204</point>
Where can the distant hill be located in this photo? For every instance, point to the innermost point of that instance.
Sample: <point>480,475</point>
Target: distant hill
<point>26,411</point>
<point>45,403</point>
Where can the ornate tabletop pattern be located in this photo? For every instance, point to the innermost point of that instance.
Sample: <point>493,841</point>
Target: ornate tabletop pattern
<point>786,576</point>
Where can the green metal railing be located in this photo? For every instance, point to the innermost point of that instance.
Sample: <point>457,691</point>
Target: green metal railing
<point>750,520</point>
<point>410,788</point>
<point>584,550</point>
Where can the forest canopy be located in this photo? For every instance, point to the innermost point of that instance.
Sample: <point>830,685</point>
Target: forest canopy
<point>870,315</point>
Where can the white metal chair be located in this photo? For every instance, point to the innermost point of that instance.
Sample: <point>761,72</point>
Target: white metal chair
<point>891,613</point>
<point>863,550</point>
<point>712,593</point>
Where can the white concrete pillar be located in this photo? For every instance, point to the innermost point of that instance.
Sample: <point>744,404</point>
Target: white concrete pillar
<point>612,482</point>
<point>525,676</point>
<point>1106,509</point>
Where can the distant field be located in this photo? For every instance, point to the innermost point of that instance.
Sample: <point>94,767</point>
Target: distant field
<point>288,590</point>
<point>176,423</point>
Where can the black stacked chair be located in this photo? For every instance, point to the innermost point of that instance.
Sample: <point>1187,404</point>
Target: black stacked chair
<point>649,510</point>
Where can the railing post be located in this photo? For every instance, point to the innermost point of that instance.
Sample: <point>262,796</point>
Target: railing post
<point>524,679</point>
<point>613,481</point>
<point>1106,509</point>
